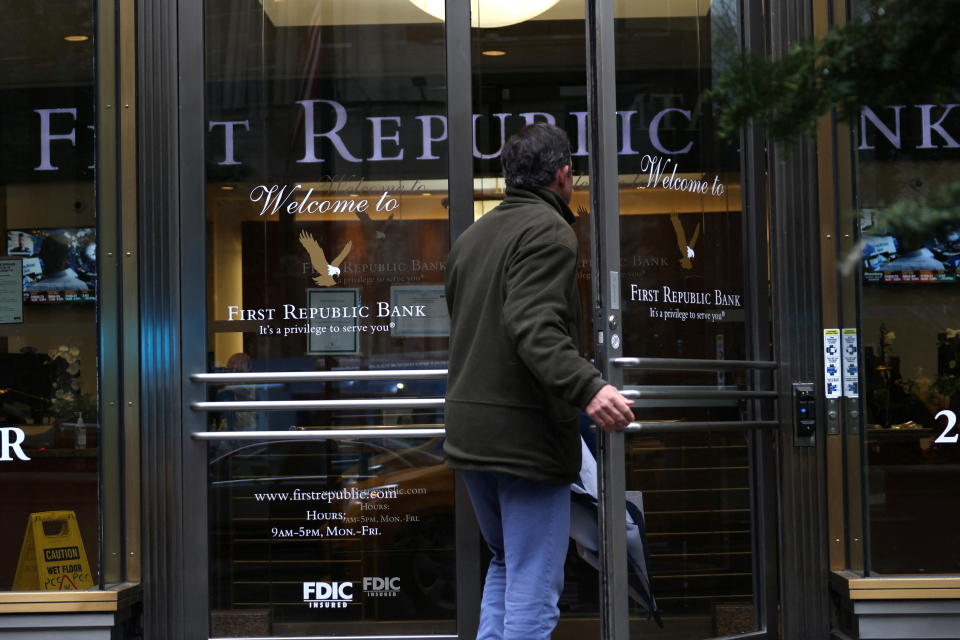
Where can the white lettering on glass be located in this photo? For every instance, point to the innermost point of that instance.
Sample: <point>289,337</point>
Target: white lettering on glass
<point>310,135</point>
<point>47,136</point>
<point>951,423</point>
<point>627,147</point>
<point>927,127</point>
<point>274,197</point>
<point>428,139</point>
<point>502,117</point>
<point>10,440</point>
<point>893,136</point>
<point>654,166</point>
<point>655,131</point>
<point>581,117</point>
<point>379,138</point>
<point>228,129</point>
<point>934,133</point>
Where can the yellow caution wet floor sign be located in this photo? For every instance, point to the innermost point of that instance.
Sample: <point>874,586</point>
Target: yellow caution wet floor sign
<point>52,557</point>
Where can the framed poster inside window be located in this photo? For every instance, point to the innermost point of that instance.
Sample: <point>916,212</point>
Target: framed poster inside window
<point>334,329</point>
<point>11,290</point>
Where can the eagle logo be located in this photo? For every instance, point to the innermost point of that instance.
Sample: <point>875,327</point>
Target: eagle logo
<point>325,270</point>
<point>686,247</point>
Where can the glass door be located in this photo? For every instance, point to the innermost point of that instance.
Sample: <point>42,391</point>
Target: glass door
<point>682,315</point>
<point>518,78</point>
<point>330,508</point>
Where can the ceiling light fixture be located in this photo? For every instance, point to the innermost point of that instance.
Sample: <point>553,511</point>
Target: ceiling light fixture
<point>77,38</point>
<point>493,53</point>
<point>488,14</point>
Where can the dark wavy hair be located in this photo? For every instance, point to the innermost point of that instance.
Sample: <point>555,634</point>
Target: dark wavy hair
<point>532,156</point>
<point>53,253</point>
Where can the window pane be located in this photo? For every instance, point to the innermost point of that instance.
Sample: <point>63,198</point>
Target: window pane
<point>327,237</point>
<point>909,322</point>
<point>48,298</point>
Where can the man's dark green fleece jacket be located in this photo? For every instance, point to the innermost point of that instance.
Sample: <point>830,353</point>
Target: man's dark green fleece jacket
<point>517,381</point>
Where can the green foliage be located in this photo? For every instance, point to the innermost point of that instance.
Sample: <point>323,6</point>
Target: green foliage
<point>904,51</point>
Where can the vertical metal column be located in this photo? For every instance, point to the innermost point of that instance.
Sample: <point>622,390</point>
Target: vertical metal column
<point>459,116</point>
<point>762,443</point>
<point>171,199</point>
<point>797,298</point>
<point>130,290</point>
<point>109,279</point>
<point>460,194</point>
<point>605,207</point>
<point>160,401</point>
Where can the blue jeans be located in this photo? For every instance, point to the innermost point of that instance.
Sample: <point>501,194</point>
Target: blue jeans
<point>526,524</point>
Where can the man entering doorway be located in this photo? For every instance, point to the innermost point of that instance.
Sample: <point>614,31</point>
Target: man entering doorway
<point>517,382</point>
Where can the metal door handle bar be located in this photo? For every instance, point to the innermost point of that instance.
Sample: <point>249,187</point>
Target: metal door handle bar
<point>320,434</point>
<point>696,394</point>
<point>713,425</point>
<point>430,403</point>
<point>690,364</point>
<point>320,376</point>
<point>287,405</point>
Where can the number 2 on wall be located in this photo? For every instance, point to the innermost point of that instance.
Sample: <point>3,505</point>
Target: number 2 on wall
<point>951,423</point>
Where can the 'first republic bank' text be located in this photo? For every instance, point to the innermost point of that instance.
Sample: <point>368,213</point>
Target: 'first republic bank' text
<point>293,312</point>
